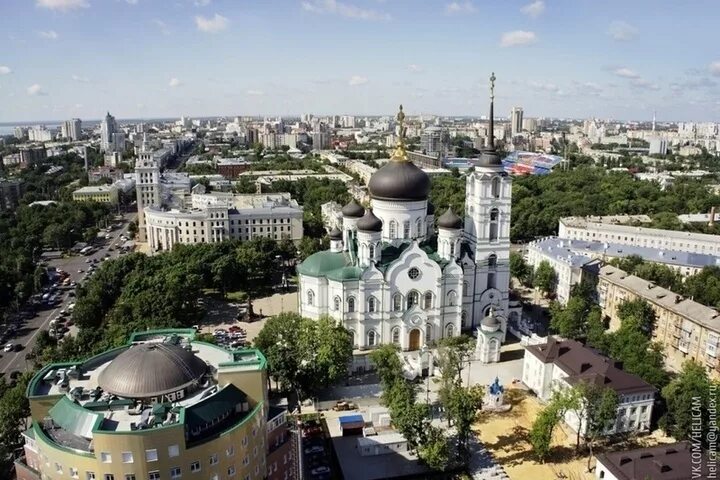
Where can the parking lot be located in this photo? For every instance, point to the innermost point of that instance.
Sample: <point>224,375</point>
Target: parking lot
<point>316,457</point>
<point>24,326</point>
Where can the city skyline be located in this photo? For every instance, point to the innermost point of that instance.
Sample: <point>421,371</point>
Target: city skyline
<point>138,59</point>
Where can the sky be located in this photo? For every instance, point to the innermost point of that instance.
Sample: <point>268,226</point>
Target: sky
<point>621,59</point>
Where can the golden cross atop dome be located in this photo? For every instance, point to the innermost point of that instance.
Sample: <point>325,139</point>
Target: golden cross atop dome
<point>400,153</point>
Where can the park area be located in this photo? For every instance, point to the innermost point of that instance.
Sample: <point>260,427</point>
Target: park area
<point>506,436</point>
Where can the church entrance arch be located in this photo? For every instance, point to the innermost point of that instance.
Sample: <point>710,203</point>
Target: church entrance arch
<point>414,343</point>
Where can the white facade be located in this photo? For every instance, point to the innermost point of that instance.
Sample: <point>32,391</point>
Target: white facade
<point>108,127</point>
<point>147,187</point>
<point>222,216</point>
<point>582,229</point>
<point>544,377</point>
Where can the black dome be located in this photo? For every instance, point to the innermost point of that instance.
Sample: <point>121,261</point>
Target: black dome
<point>369,222</point>
<point>449,220</point>
<point>353,209</point>
<point>399,180</point>
<point>335,234</point>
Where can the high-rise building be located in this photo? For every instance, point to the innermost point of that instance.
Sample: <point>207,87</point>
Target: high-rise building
<point>108,127</point>
<point>21,133</point>
<point>40,133</point>
<point>147,187</point>
<point>516,121</point>
<point>11,190</point>
<point>530,124</point>
<point>71,129</point>
<point>31,156</point>
<point>163,406</point>
<point>431,140</point>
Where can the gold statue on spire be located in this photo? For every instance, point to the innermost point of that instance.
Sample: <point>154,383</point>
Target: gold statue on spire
<point>400,153</point>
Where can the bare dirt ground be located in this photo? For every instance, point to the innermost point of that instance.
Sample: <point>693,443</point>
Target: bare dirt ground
<point>506,437</point>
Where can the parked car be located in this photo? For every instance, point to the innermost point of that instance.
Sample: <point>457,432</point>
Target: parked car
<point>324,470</point>
<point>314,449</point>
<point>9,347</point>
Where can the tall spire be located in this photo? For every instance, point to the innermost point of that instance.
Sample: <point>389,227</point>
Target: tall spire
<point>491,134</point>
<point>400,153</point>
<point>653,126</point>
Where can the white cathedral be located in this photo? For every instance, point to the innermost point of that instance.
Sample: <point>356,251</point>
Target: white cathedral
<point>391,276</point>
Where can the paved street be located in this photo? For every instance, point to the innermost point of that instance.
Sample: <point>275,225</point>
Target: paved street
<point>27,333</point>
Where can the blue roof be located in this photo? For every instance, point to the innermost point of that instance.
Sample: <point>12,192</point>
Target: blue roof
<point>351,419</point>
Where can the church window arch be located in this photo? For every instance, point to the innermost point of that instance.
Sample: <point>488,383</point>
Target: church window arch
<point>465,289</point>
<point>351,304</point>
<point>413,298</point>
<point>352,337</point>
<point>406,229</point>
<point>371,251</point>
<point>449,330</point>
<point>428,333</point>
<point>451,298</point>
<point>452,248</point>
<point>372,338</point>
<point>492,260</point>
<point>395,335</point>
<point>310,298</point>
<point>418,227</point>
<point>336,303</point>
<point>493,235</point>
<point>495,187</point>
<point>393,229</point>
<point>463,319</point>
<point>397,302</point>
<point>372,304</point>
<point>428,300</point>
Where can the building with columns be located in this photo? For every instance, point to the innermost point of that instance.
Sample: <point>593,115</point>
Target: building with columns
<point>395,275</point>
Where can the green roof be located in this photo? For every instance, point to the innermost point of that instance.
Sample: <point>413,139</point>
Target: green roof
<point>75,419</point>
<point>345,274</point>
<point>321,263</point>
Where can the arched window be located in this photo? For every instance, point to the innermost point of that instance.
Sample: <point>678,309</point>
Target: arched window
<point>336,303</point>
<point>395,335</point>
<point>310,298</point>
<point>451,298</point>
<point>427,304</point>
<point>397,302</point>
<point>371,251</point>
<point>393,229</point>
<point>491,280</point>
<point>493,236</point>
<point>428,333</point>
<point>463,319</point>
<point>406,229</point>
<point>372,338</point>
<point>418,227</point>
<point>495,188</point>
<point>466,289</point>
<point>352,337</point>
<point>492,261</point>
<point>372,304</point>
<point>449,330</point>
<point>351,304</point>
<point>452,248</point>
<point>413,298</point>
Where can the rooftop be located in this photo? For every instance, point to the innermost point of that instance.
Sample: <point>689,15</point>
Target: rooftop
<point>620,227</point>
<point>664,462</point>
<point>96,189</point>
<point>686,307</point>
<point>583,364</point>
<point>579,252</point>
<point>161,378</point>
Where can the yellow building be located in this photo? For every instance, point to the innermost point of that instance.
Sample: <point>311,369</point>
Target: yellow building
<point>685,329</point>
<point>99,193</point>
<point>164,406</point>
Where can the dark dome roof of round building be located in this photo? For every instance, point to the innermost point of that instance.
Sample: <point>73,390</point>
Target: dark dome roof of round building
<point>150,370</point>
<point>353,209</point>
<point>491,321</point>
<point>369,222</point>
<point>335,234</point>
<point>399,180</point>
<point>449,220</point>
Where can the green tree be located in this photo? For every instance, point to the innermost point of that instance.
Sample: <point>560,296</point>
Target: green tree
<point>519,267</point>
<point>704,287</point>
<point>570,321</point>
<point>545,277</point>
<point>462,407</point>
<point>132,229</point>
<point>641,311</point>
<point>688,395</point>
<point>542,429</point>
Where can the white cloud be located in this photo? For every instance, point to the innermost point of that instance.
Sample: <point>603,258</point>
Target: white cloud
<point>35,90</point>
<point>5,70</point>
<point>534,9</point>
<point>80,79</point>
<point>414,68</point>
<point>460,7</point>
<point>626,73</point>
<point>714,68</point>
<point>201,3</point>
<point>174,82</point>
<point>622,31</point>
<point>216,24</point>
<point>547,87</point>
<point>62,5</point>
<point>49,34</point>
<point>643,83</point>
<point>357,80</point>
<point>344,10</point>
<point>132,2</point>
<point>255,93</point>
<point>517,37</point>
<point>162,26</point>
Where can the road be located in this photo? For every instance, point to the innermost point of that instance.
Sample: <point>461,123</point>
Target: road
<point>27,333</point>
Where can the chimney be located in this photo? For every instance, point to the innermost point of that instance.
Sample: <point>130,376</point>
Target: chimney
<point>712,217</point>
<point>678,298</point>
